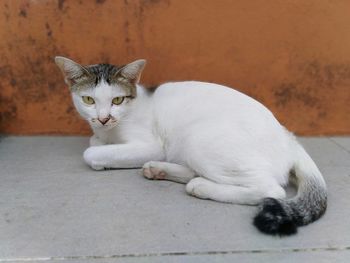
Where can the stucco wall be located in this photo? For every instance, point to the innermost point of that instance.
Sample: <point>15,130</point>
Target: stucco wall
<point>294,56</point>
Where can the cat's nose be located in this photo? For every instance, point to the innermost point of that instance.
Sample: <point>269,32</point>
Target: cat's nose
<point>103,120</point>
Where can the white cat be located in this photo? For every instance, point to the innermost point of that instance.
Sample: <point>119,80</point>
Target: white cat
<point>222,144</point>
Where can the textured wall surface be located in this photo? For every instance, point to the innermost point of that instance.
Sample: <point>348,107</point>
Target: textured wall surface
<point>294,56</point>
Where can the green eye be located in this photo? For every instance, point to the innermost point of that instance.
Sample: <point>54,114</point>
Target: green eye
<point>88,100</point>
<point>118,100</point>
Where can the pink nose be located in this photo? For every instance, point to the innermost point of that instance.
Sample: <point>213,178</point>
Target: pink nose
<point>104,120</point>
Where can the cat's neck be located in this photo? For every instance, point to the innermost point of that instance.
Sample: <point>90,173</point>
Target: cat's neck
<point>142,91</point>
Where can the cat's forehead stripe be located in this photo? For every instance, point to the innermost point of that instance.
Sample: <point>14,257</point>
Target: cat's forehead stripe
<point>105,72</point>
<point>102,72</point>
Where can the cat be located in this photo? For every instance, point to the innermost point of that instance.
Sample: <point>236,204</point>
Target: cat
<point>224,145</point>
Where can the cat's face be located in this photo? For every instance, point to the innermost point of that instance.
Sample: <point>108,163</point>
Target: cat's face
<point>101,93</point>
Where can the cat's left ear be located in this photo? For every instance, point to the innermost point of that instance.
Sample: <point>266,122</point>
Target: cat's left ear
<point>132,71</point>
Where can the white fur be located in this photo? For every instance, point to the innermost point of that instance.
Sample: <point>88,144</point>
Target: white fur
<point>185,129</point>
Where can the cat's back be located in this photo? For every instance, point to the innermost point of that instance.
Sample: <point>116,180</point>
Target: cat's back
<point>187,89</point>
<point>201,105</point>
<point>205,98</point>
<point>195,113</point>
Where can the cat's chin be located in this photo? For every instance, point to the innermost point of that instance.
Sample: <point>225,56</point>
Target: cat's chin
<point>106,128</point>
<point>102,127</point>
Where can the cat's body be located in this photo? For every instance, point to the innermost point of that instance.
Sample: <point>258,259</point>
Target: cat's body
<point>198,124</point>
<point>223,144</point>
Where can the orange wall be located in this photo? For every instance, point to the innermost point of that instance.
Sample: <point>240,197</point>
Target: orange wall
<point>293,55</point>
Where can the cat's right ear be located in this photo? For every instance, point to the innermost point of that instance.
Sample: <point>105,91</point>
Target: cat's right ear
<point>72,71</point>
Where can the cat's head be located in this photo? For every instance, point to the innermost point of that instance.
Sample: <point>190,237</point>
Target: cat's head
<point>101,93</point>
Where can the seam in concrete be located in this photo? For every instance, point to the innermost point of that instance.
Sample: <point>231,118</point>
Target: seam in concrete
<point>198,253</point>
<point>338,144</point>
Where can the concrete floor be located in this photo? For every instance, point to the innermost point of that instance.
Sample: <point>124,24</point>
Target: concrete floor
<point>53,208</point>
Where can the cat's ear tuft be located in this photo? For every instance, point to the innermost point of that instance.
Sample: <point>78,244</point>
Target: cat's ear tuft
<point>132,71</point>
<point>72,71</point>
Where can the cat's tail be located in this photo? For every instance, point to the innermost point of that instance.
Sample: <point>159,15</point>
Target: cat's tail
<point>282,217</point>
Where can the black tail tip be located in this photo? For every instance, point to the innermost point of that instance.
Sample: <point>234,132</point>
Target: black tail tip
<point>272,219</point>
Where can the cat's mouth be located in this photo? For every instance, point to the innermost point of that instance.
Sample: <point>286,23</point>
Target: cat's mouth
<point>106,123</point>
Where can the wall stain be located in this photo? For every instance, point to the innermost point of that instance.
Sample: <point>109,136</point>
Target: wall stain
<point>324,75</point>
<point>23,12</point>
<point>100,1</point>
<point>288,92</point>
<point>8,111</point>
<point>60,4</point>
<point>143,7</point>
<point>32,72</point>
<point>312,79</point>
<point>127,26</point>
<point>6,12</point>
<point>70,110</point>
<point>127,41</point>
<point>48,30</point>
<point>23,9</point>
<point>13,82</point>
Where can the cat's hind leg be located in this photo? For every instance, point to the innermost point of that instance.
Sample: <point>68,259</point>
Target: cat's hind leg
<point>237,194</point>
<point>167,171</point>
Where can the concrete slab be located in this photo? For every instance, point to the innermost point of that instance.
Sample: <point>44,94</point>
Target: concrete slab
<point>54,208</point>
<point>325,152</point>
<point>343,142</point>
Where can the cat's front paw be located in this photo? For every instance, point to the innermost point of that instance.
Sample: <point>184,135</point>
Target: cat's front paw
<point>91,158</point>
<point>152,170</point>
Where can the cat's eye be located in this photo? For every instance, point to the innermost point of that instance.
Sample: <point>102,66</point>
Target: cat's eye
<point>88,100</point>
<point>118,100</point>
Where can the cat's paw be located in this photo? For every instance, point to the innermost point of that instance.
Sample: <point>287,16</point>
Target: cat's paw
<point>153,171</point>
<point>97,167</point>
<point>198,187</point>
<point>91,158</point>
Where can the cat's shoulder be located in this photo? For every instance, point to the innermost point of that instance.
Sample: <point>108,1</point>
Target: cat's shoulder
<point>179,86</point>
<point>186,84</point>
<point>190,89</point>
